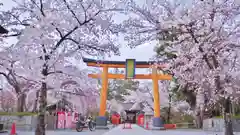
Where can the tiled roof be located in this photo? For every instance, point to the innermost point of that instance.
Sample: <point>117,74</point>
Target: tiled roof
<point>3,30</point>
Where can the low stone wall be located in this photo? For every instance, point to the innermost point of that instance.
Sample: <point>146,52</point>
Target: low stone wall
<point>26,123</point>
<point>217,125</point>
<point>185,125</point>
<point>22,123</point>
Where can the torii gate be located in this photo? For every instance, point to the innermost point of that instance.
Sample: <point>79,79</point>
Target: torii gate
<point>130,65</point>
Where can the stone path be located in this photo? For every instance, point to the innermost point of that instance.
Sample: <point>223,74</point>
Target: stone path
<point>188,132</point>
<point>67,132</point>
<point>136,130</point>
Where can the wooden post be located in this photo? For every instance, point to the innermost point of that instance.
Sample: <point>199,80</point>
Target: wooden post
<point>155,92</point>
<point>103,96</point>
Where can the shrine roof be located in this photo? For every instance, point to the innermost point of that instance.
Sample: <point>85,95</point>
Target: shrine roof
<point>3,30</point>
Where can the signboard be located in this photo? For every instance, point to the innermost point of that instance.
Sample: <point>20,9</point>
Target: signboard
<point>130,68</point>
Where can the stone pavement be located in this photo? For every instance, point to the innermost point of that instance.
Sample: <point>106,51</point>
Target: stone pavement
<point>66,132</point>
<point>188,132</point>
<point>136,130</point>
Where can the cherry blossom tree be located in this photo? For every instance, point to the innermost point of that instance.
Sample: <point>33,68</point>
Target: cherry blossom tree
<point>54,30</point>
<point>12,71</point>
<point>204,37</point>
<point>7,100</point>
<point>143,95</point>
<point>73,85</point>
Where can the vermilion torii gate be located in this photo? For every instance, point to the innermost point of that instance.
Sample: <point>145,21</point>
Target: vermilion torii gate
<point>130,65</point>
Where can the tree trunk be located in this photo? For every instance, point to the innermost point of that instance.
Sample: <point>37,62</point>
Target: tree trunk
<point>228,124</point>
<point>227,117</point>
<point>198,119</point>
<point>36,102</point>
<point>169,108</point>
<point>198,122</point>
<point>21,102</point>
<point>40,129</point>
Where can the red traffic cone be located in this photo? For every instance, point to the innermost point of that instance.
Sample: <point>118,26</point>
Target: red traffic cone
<point>147,126</point>
<point>13,130</point>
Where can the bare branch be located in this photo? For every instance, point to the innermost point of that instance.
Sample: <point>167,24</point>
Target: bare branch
<point>59,32</point>
<point>41,7</point>
<point>12,35</point>
<point>54,72</point>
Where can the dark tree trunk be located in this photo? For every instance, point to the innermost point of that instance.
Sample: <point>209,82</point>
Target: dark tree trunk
<point>228,124</point>
<point>227,117</point>
<point>169,108</point>
<point>36,102</point>
<point>21,102</point>
<point>40,129</point>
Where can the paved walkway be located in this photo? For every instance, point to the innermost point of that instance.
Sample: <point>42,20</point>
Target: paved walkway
<point>136,130</point>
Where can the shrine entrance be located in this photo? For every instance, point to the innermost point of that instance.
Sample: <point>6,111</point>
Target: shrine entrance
<point>130,66</point>
<point>131,116</point>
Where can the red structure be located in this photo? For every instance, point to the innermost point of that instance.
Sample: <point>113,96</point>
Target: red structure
<point>61,120</point>
<point>170,126</point>
<point>116,119</point>
<point>141,119</point>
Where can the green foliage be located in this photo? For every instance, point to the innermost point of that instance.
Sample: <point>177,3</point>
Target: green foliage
<point>175,117</point>
<point>162,49</point>
<point>221,117</point>
<point>17,114</point>
<point>117,87</point>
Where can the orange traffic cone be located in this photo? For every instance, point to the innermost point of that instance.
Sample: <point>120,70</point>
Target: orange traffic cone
<point>13,130</point>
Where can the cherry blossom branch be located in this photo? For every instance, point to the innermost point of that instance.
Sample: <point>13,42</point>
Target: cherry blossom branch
<point>62,39</point>
<point>87,46</point>
<point>85,12</point>
<point>74,15</point>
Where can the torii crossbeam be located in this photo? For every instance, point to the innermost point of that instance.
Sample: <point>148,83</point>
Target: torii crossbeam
<point>129,65</point>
